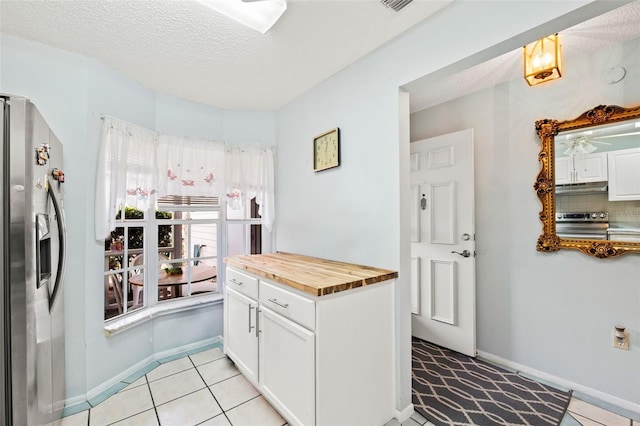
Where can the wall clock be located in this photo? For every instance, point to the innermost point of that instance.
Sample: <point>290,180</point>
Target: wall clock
<point>326,150</point>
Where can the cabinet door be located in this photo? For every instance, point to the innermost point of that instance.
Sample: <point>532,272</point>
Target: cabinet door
<point>241,340</point>
<point>591,168</point>
<point>287,367</point>
<point>624,174</point>
<point>564,170</point>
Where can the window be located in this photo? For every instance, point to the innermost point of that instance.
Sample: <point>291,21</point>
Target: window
<point>172,255</point>
<point>188,256</point>
<point>244,231</point>
<point>122,252</point>
<point>176,253</point>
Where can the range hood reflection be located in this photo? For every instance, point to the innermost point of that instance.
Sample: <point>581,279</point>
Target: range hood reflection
<point>582,188</point>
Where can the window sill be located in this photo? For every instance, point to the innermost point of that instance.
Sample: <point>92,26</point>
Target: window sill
<point>143,315</point>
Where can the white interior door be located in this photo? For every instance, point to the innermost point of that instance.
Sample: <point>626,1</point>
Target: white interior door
<point>442,241</point>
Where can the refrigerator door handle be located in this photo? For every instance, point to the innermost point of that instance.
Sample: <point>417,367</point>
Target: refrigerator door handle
<point>62,243</point>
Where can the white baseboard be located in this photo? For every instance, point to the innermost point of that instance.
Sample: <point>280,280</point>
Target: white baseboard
<point>78,399</point>
<point>103,387</point>
<point>560,382</point>
<point>187,348</point>
<point>405,414</point>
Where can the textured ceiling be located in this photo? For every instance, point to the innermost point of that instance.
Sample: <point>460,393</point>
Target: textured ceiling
<point>184,49</point>
<point>606,30</point>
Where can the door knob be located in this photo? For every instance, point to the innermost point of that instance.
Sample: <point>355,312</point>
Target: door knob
<point>465,253</point>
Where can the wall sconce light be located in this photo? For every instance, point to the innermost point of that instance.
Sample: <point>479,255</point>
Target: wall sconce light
<point>542,61</point>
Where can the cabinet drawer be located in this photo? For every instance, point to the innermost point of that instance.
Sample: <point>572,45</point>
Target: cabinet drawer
<point>242,283</point>
<point>288,304</point>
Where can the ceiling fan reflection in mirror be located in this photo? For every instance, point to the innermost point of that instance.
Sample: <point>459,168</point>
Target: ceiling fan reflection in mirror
<point>585,142</point>
<point>580,144</point>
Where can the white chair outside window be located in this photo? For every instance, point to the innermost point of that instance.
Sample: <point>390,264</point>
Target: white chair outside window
<point>138,290</point>
<point>113,293</point>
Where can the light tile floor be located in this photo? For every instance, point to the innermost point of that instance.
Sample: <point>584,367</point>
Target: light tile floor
<point>582,413</point>
<point>205,388</point>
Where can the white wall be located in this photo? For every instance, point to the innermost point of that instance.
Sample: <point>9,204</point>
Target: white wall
<point>59,90</point>
<point>72,93</point>
<point>551,312</point>
<point>354,212</point>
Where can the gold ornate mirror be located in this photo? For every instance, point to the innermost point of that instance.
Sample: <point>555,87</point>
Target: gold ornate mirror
<point>589,184</point>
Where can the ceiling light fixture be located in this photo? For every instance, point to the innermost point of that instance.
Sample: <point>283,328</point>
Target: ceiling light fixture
<point>542,60</point>
<point>259,15</point>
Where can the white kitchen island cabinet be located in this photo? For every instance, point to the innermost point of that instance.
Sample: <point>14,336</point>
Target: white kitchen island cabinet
<point>287,377</point>
<point>241,345</point>
<point>240,312</point>
<point>324,341</point>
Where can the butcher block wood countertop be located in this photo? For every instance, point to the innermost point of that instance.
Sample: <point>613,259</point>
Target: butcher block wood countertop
<point>312,275</point>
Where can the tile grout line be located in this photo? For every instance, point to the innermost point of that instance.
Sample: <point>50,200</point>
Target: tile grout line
<point>144,411</point>
<point>211,392</point>
<point>224,413</point>
<point>148,382</point>
<point>250,399</point>
<point>127,384</point>
<point>178,397</point>
<point>586,416</point>
<point>612,408</point>
<point>168,375</point>
<point>155,409</point>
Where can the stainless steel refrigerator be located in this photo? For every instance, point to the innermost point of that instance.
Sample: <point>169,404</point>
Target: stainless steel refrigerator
<point>33,257</point>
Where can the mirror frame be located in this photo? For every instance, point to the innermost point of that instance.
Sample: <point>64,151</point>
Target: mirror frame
<point>545,186</point>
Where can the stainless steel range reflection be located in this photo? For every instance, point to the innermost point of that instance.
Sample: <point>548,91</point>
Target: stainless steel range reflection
<point>582,225</point>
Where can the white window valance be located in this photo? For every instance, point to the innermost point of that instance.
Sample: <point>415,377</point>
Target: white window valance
<point>190,166</point>
<point>137,165</point>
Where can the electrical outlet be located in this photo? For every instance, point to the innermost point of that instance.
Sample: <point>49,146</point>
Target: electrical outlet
<point>625,343</point>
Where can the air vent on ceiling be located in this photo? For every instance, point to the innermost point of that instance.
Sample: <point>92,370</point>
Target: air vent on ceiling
<point>395,4</point>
